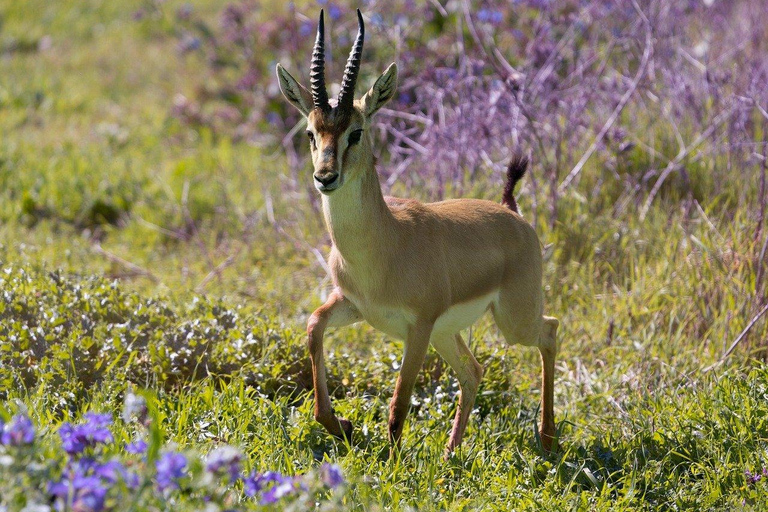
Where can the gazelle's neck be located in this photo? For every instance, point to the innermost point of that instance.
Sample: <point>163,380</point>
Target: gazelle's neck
<point>357,217</point>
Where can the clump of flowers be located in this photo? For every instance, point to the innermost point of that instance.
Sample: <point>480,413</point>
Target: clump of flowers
<point>270,486</point>
<point>96,474</point>
<point>753,478</point>
<point>171,467</point>
<point>224,460</point>
<point>86,482</point>
<point>94,431</point>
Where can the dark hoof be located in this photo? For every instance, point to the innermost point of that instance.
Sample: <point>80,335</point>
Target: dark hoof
<point>346,430</point>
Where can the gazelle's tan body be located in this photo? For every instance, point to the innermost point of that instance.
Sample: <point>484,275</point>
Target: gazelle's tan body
<point>448,261</point>
<point>420,272</point>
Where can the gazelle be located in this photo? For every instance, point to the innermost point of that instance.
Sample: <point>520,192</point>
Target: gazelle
<point>418,272</point>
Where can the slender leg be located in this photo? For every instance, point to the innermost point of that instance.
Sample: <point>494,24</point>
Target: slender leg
<point>415,349</point>
<point>469,372</point>
<point>548,349</point>
<point>336,312</point>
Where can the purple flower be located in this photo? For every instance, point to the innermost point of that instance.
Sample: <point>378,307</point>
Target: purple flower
<point>76,438</point>
<point>225,459</point>
<point>334,12</point>
<point>137,447</point>
<point>306,28</point>
<point>189,43</point>
<point>273,118</point>
<point>753,479</point>
<point>332,476</point>
<point>86,482</point>
<point>111,471</point>
<point>491,16</point>
<point>539,4</point>
<point>81,493</point>
<point>277,484</point>
<point>170,468</point>
<point>281,489</point>
<point>18,432</point>
<point>255,482</point>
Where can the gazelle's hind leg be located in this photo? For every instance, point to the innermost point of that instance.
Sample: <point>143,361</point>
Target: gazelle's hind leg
<point>469,372</point>
<point>521,322</point>
<point>548,349</point>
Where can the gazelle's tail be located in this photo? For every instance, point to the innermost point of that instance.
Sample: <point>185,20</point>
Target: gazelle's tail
<point>515,172</point>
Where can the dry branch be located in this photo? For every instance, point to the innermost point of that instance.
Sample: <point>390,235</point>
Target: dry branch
<point>619,107</point>
<point>739,338</point>
<point>134,270</point>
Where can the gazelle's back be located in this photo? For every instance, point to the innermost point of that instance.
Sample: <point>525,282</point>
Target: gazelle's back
<point>476,225</point>
<point>464,249</point>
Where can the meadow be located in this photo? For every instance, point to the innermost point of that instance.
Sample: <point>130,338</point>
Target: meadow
<point>161,248</point>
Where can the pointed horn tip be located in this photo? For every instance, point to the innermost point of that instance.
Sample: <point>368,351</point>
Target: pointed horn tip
<point>321,24</point>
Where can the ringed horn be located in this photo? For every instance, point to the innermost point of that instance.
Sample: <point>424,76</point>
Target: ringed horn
<point>317,70</point>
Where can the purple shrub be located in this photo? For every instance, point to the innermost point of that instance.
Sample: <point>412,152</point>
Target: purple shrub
<point>535,75</point>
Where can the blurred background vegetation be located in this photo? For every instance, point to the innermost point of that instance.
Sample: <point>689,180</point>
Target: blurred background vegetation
<point>146,142</point>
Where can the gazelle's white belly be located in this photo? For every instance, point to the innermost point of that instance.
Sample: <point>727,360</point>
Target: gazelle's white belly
<point>462,315</point>
<point>397,322</point>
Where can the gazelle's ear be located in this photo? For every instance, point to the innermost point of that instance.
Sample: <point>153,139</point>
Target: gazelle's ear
<point>294,92</point>
<point>381,92</point>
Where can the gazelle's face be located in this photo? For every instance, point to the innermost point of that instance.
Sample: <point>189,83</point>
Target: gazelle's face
<point>337,134</point>
<point>338,145</point>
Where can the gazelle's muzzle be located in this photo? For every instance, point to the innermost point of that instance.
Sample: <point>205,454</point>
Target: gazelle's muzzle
<point>327,181</point>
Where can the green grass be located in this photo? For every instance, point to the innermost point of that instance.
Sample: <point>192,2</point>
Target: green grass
<point>215,255</point>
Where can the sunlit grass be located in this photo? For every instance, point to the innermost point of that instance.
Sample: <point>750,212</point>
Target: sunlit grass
<point>218,240</point>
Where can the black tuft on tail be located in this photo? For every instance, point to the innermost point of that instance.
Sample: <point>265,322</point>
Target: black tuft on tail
<point>515,172</point>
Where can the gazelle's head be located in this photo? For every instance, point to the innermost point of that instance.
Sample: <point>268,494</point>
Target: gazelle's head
<point>340,145</point>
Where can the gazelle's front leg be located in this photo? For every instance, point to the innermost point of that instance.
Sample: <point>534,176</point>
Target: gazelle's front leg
<point>415,349</point>
<point>336,312</point>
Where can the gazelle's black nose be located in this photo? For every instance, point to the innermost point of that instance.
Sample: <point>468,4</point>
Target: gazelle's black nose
<point>326,178</point>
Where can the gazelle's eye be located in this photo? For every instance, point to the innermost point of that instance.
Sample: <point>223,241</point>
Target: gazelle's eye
<point>354,137</point>
<point>311,139</point>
